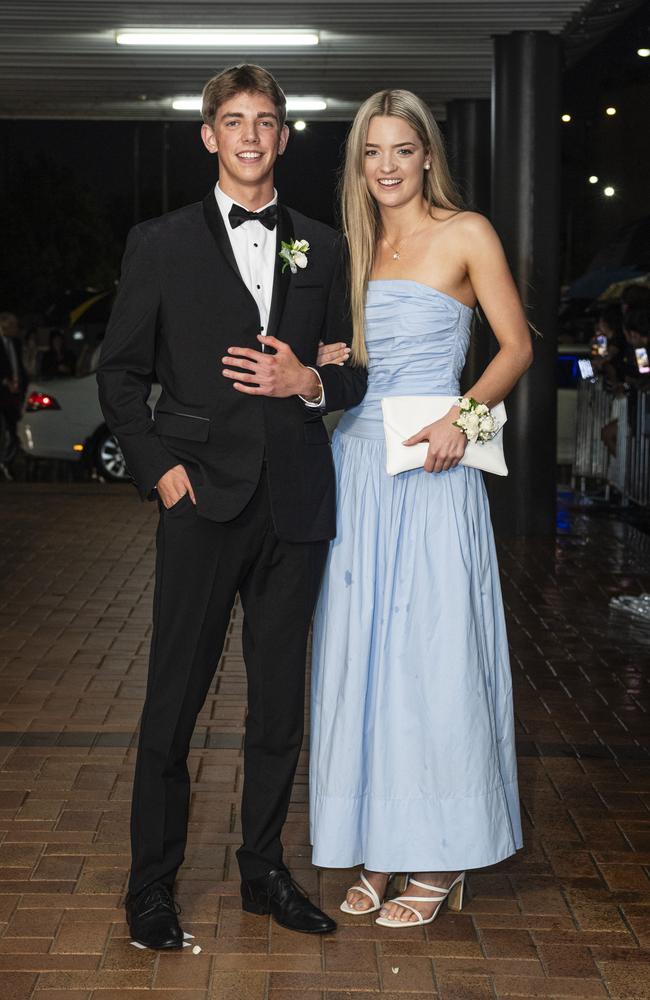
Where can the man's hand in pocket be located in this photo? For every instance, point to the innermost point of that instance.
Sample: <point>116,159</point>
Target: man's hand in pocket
<point>173,486</point>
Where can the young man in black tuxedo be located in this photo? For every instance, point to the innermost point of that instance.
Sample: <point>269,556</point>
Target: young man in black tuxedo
<point>239,459</point>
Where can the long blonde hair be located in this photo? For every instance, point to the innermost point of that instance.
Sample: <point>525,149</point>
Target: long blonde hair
<point>361,218</point>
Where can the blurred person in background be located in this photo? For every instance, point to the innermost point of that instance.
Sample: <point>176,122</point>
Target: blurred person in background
<point>636,327</point>
<point>608,344</point>
<point>32,354</point>
<point>12,370</point>
<point>58,360</point>
<point>632,368</point>
<point>12,388</point>
<point>635,297</point>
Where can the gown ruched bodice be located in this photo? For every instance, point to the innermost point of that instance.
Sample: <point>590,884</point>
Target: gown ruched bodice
<point>417,339</point>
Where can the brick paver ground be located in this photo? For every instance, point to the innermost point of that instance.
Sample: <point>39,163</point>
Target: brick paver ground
<point>568,917</point>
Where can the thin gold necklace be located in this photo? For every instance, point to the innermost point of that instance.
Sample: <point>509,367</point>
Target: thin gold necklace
<point>396,253</point>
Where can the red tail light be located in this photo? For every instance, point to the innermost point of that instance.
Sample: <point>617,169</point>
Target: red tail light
<point>41,401</point>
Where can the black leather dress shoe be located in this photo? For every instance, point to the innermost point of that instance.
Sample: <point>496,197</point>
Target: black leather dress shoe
<point>278,894</point>
<point>152,918</point>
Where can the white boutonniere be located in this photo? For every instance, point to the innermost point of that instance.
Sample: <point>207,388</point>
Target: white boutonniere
<point>294,255</point>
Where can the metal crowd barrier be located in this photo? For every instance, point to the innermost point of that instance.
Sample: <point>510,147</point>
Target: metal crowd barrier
<point>628,471</point>
<point>593,412</point>
<point>638,470</point>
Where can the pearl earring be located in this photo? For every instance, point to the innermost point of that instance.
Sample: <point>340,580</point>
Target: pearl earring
<point>427,166</point>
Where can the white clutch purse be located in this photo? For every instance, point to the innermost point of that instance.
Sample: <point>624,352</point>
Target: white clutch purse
<point>404,416</point>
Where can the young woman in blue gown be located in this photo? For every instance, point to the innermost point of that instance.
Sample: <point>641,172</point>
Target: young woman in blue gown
<point>413,766</point>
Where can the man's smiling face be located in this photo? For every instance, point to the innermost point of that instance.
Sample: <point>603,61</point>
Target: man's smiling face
<point>247,137</point>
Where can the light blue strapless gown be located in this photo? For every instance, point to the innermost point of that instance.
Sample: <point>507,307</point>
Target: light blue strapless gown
<point>413,763</point>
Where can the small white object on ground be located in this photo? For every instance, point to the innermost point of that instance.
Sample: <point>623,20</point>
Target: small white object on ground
<point>196,950</point>
<point>394,968</point>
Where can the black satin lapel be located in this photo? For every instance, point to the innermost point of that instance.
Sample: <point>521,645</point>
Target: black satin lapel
<point>218,230</point>
<point>281,281</point>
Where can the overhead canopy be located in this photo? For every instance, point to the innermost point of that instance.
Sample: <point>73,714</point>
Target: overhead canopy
<point>59,58</point>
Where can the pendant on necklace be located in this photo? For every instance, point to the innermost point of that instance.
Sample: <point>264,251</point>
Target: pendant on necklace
<point>396,255</point>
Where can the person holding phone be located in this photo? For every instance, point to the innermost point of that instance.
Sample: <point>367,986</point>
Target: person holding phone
<point>608,345</point>
<point>637,336</point>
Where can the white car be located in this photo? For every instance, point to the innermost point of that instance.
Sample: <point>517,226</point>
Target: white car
<point>62,419</point>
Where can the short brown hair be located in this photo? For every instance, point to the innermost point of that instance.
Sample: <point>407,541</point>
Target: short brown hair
<point>246,79</point>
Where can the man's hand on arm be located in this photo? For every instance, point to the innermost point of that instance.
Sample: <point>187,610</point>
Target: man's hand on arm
<point>262,374</point>
<point>173,486</point>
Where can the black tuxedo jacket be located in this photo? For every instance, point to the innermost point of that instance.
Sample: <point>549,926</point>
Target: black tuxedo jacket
<point>180,304</point>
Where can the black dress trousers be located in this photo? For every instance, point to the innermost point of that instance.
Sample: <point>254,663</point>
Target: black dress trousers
<point>200,566</point>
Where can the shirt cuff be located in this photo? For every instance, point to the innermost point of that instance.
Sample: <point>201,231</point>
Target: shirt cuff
<point>319,403</point>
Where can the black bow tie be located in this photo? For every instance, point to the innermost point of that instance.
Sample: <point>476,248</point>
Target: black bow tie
<point>268,216</point>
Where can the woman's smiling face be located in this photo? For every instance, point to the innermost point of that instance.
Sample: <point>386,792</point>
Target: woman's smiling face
<point>394,161</point>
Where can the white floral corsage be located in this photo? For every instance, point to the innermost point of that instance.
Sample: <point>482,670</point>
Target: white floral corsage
<point>294,255</point>
<point>475,420</point>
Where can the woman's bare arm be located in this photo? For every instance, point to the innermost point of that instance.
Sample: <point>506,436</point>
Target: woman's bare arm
<point>494,287</point>
<point>487,271</point>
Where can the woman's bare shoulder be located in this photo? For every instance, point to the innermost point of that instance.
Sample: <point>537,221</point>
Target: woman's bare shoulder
<point>472,223</point>
<point>463,224</point>
<point>473,234</point>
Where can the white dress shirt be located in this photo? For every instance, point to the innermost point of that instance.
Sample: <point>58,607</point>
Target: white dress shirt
<point>254,248</point>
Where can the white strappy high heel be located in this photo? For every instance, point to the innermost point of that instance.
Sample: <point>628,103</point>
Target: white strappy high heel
<point>367,890</point>
<point>453,895</point>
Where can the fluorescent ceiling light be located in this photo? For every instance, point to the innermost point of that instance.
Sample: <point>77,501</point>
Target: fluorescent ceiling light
<point>306,104</point>
<point>211,39</point>
<point>186,104</point>
<point>293,104</point>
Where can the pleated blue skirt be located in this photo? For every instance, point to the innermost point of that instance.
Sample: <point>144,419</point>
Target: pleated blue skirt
<point>413,764</point>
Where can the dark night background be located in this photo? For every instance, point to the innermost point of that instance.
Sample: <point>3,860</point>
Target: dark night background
<point>69,196</point>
